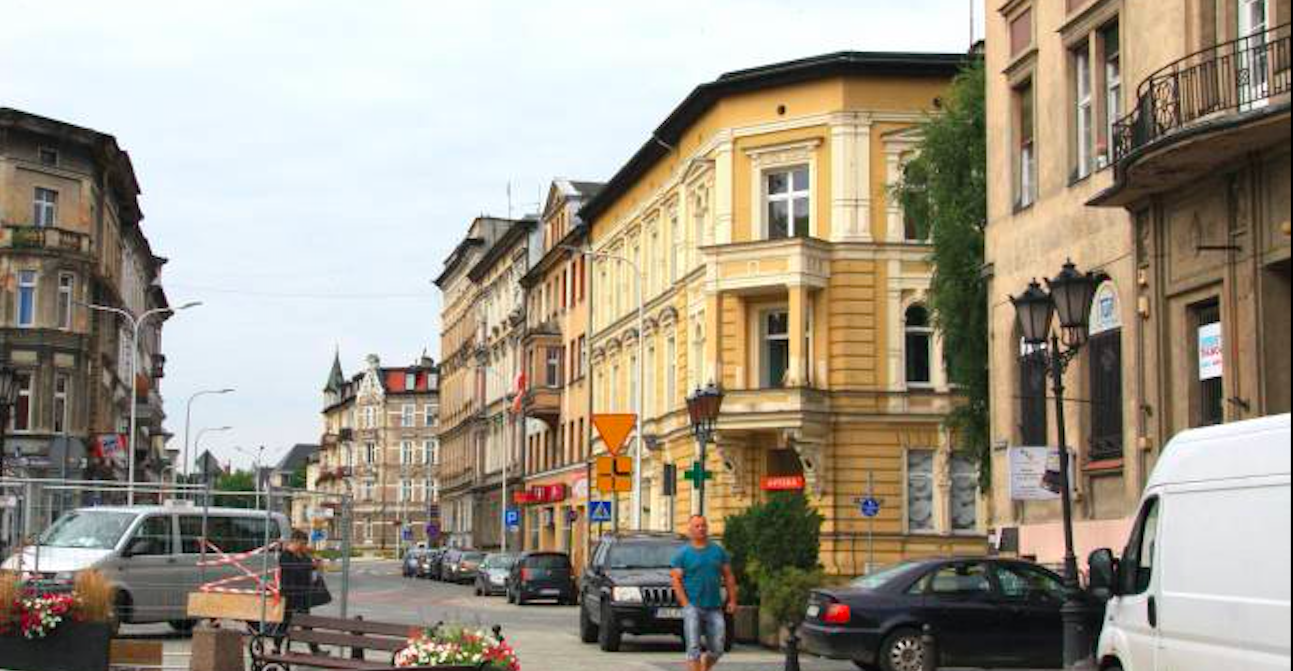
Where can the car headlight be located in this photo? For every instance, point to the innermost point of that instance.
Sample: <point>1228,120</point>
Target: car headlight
<point>626,595</point>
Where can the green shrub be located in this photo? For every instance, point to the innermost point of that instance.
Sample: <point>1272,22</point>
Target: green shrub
<point>782,532</point>
<point>784,593</point>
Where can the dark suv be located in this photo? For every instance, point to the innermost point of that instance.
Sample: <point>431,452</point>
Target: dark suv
<point>541,575</point>
<point>627,589</point>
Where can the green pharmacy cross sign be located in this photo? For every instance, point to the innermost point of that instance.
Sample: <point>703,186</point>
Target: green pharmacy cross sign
<point>697,474</point>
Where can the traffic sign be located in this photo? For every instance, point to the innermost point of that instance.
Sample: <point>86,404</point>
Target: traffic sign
<point>870,506</point>
<point>513,518</point>
<point>599,511</point>
<point>615,429</point>
<point>407,533</point>
<point>614,474</point>
<point>318,536</point>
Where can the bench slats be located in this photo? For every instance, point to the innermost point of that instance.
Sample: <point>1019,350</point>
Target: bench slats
<point>354,626</point>
<point>354,634</point>
<point>347,640</point>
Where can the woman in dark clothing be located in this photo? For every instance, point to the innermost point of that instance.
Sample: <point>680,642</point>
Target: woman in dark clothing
<point>296,580</point>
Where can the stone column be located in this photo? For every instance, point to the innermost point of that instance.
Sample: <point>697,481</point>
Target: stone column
<point>798,314</point>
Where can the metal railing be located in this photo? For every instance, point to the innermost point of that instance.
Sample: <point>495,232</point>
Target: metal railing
<point>1237,76</point>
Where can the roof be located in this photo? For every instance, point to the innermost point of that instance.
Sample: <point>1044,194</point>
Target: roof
<point>515,233</point>
<point>336,377</point>
<point>1252,449</point>
<point>705,96</point>
<point>296,457</point>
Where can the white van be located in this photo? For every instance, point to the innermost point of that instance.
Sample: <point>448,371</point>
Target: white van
<point>150,554</point>
<point>1203,584</point>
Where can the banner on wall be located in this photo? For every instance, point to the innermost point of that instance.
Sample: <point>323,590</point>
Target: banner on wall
<point>1028,473</point>
<point>1211,353</point>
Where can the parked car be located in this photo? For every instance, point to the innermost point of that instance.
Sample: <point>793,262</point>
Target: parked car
<point>1203,583</point>
<point>428,562</point>
<point>538,576</point>
<point>148,553</point>
<point>492,576</point>
<point>627,589</point>
<point>993,613</point>
<point>412,564</point>
<point>460,566</point>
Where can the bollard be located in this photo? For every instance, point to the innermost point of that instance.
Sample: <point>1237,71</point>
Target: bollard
<point>929,649</point>
<point>217,650</point>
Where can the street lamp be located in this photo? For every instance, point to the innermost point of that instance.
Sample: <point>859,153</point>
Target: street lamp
<point>188,421</point>
<point>135,324</point>
<point>703,407</point>
<point>1070,297</point>
<point>8,394</point>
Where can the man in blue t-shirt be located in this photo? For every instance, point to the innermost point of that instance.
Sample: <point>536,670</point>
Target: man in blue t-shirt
<point>701,570</point>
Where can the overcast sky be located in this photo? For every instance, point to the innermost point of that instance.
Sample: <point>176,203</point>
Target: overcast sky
<point>307,165</point>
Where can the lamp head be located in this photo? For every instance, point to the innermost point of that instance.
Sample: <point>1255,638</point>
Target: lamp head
<point>1035,311</point>
<point>1072,293</point>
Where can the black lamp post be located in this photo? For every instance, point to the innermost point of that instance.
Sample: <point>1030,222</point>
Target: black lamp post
<point>703,406</point>
<point>1070,297</point>
<point>8,390</point>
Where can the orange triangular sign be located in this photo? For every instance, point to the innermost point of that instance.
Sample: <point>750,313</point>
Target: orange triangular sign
<point>614,430</point>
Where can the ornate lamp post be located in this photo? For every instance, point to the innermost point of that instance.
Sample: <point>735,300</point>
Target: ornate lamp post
<point>703,406</point>
<point>1070,297</point>
<point>8,394</point>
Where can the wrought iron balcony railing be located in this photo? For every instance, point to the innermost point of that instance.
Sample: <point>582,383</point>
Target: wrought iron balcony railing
<point>1238,76</point>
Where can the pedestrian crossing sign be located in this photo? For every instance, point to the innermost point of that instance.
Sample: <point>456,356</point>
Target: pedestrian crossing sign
<point>599,511</point>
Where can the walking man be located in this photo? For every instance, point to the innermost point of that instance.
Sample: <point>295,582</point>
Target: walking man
<point>701,570</point>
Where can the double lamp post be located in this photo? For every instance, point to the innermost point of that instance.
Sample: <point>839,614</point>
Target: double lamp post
<point>1070,299</point>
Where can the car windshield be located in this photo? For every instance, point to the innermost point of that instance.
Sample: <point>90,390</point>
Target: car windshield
<point>473,556</point>
<point>874,581</point>
<point>499,561</point>
<point>88,530</point>
<point>548,562</point>
<point>643,555</point>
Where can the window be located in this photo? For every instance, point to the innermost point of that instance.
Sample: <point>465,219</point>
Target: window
<point>675,247</point>
<point>920,491</point>
<point>429,419</point>
<point>406,453</point>
<point>371,454</point>
<point>698,357</point>
<point>1026,150</point>
<point>961,581</point>
<point>1021,32</point>
<point>789,203</point>
<point>1033,422</point>
<point>633,382</point>
<point>1210,391</point>
<point>1138,561</point>
<point>1027,584</point>
<point>614,399</point>
<point>652,365</point>
<point>408,415</point>
<point>1084,118</point>
<point>155,537</point>
<point>44,208</point>
<point>920,347</point>
<point>66,291</point>
<point>410,382</point>
<point>776,348</point>
<point>48,157</point>
<point>62,384</point>
<point>22,420</point>
<point>552,368</point>
<point>406,491</point>
<point>1105,365</point>
<point>965,494</point>
<point>370,417</point>
<point>26,303</point>
<point>670,372</point>
<point>1254,66</point>
<point>431,448</point>
<point>1111,38</point>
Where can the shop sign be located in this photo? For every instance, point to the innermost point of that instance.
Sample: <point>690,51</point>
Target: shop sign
<point>784,483</point>
<point>543,494</point>
<point>1211,353</point>
<point>1034,473</point>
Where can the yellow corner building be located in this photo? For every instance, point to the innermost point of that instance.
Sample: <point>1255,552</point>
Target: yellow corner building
<point>773,262</point>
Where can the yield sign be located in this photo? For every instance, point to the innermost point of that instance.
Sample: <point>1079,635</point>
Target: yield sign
<point>614,429</point>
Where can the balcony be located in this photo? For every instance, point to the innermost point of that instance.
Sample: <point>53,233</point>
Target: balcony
<point>543,403</point>
<point>16,236</point>
<point>755,267</point>
<point>1200,113</point>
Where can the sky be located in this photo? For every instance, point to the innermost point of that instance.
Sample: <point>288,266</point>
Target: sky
<point>307,165</point>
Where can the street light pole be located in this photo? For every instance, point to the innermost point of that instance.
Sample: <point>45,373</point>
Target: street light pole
<point>640,445</point>
<point>703,407</point>
<point>188,422</point>
<point>1070,298</point>
<point>135,324</point>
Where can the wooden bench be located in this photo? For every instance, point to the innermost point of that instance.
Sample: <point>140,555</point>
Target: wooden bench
<point>361,637</point>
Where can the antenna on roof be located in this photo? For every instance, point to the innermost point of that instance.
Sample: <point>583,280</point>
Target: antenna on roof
<point>509,199</point>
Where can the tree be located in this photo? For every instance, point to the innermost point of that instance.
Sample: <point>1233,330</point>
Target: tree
<point>945,188</point>
<point>780,533</point>
<point>236,481</point>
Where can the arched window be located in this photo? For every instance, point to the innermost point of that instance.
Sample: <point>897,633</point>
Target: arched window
<point>920,347</point>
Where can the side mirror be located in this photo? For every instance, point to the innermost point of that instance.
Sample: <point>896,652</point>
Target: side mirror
<point>1104,574</point>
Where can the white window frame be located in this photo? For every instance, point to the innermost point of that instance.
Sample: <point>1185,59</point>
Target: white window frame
<point>789,197</point>
<point>768,160</point>
<point>372,454</point>
<point>765,346</point>
<point>408,415</point>
<point>908,476</point>
<point>66,299</point>
<point>1112,83</point>
<point>675,246</point>
<point>671,371</point>
<point>973,477</point>
<point>406,452</point>
<point>28,292</point>
<point>1027,188</point>
<point>62,402</point>
<point>1084,110</point>
<point>926,331</point>
<point>44,204</point>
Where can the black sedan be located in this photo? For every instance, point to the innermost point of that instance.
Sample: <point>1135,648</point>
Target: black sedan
<point>992,613</point>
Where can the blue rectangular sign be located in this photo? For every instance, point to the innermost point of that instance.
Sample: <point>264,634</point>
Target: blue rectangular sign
<point>600,511</point>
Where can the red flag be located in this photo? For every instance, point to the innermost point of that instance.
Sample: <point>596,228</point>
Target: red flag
<point>520,393</point>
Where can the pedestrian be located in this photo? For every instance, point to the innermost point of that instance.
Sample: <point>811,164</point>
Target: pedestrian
<point>701,570</point>
<point>297,581</point>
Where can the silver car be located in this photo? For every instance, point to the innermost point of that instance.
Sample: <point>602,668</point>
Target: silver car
<point>149,554</point>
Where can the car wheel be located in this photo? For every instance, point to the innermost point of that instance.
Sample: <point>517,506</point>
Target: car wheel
<point>609,635</point>
<point>866,667</point>
<point>587,630</point>
<point>903,650</point>
<point>183,626</point>
<point>122,610</point>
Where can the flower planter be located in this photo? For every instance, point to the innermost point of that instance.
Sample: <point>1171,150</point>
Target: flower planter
<point>73,646</point>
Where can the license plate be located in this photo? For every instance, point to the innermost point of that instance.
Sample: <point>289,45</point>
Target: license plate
<point>668,613</point>
<point>550,592</point>
<point>814,610</point>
